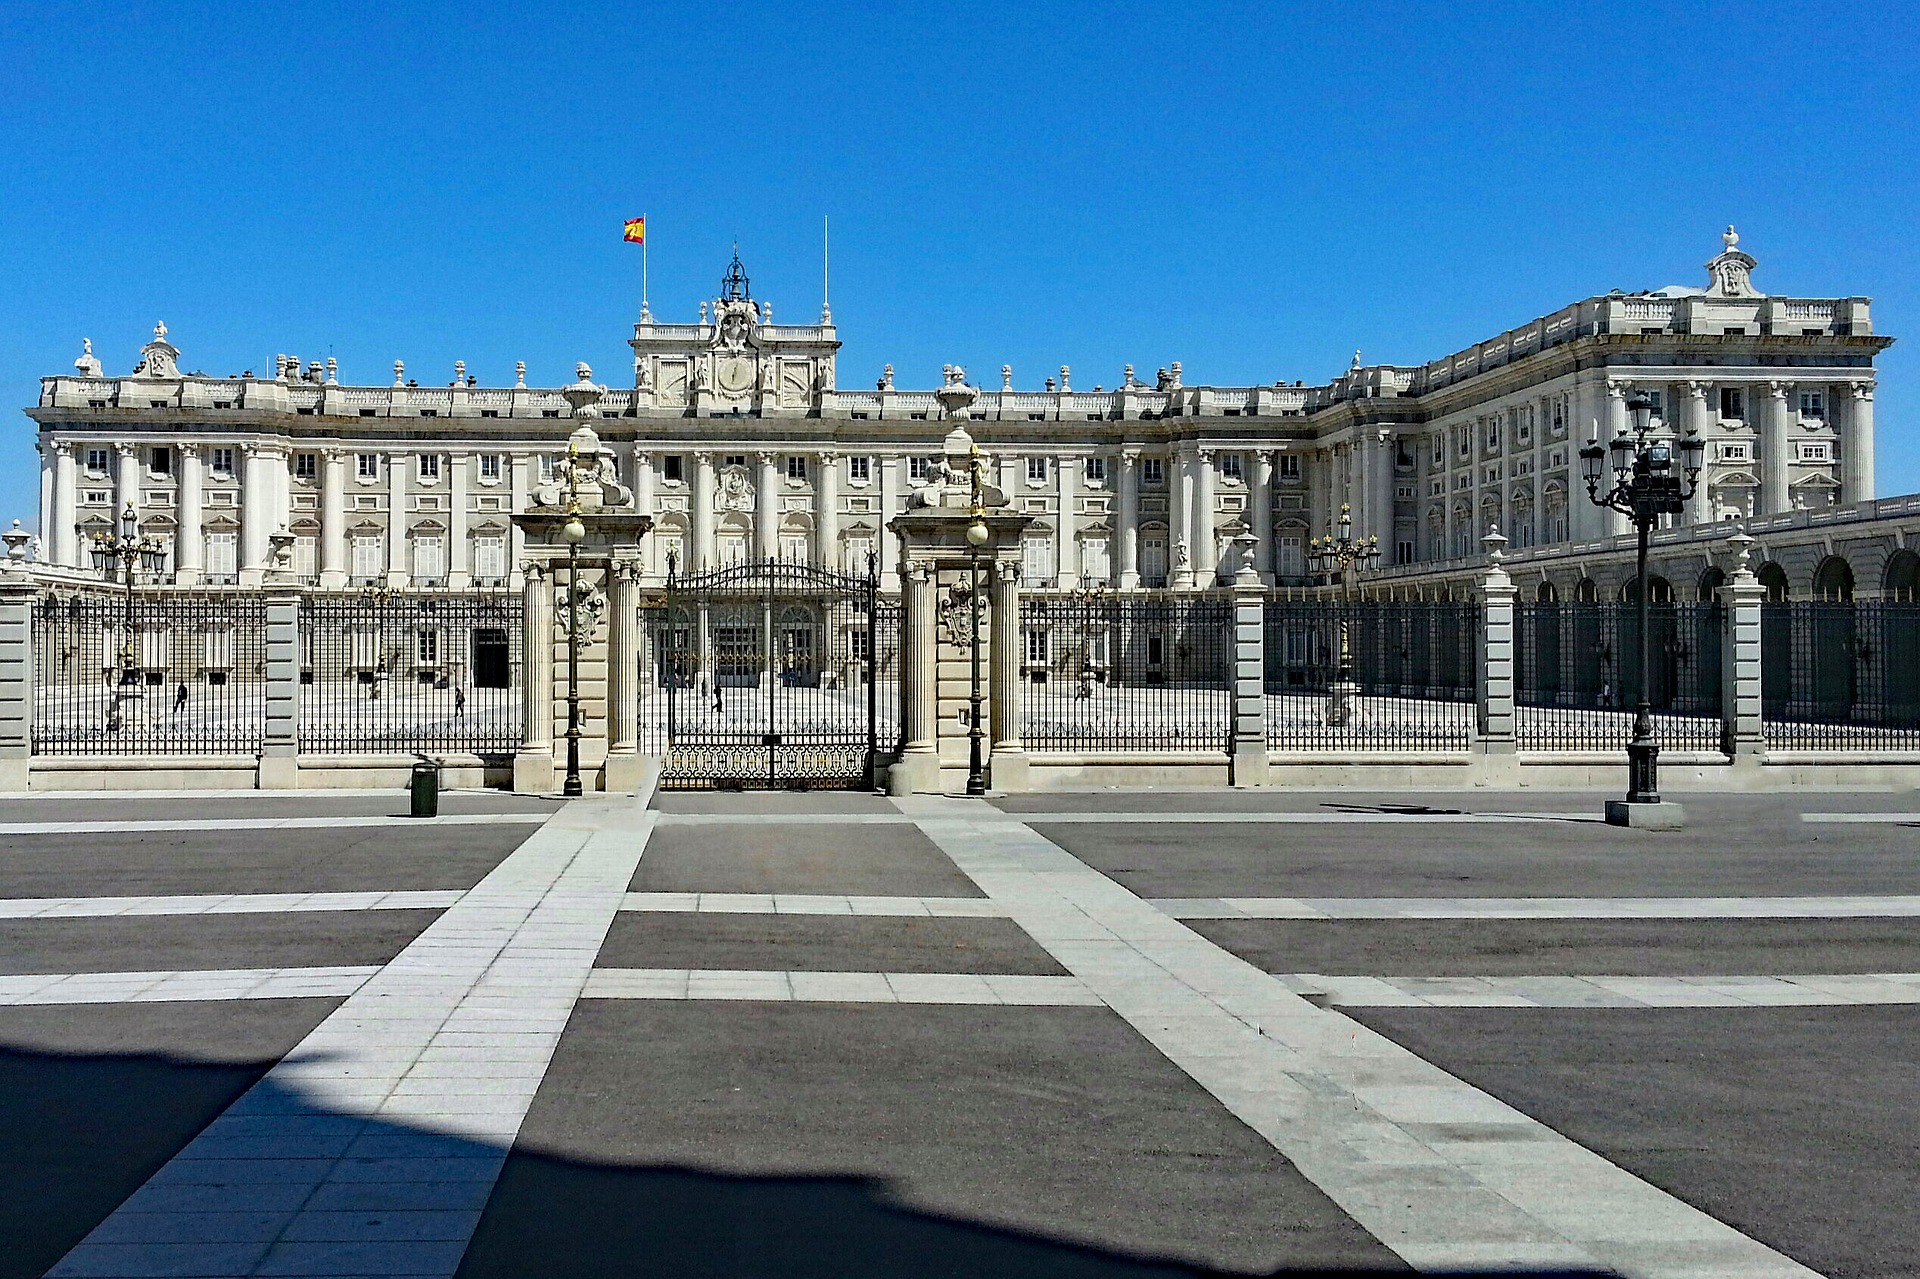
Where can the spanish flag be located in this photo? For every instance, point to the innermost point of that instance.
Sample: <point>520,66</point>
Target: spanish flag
<point>636,230</point>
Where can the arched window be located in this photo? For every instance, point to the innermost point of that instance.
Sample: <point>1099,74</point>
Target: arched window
<point>1773,579</point>
<point>1833,580</point>
<point>1901,581</point>
<point>1546,594</point>
<point>1586,590</point>
<point>1710,581</point>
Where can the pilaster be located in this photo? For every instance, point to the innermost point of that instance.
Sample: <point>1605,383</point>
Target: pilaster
<point>1856,469</point>
<point>1775,462</point>
<point>1127,486</point>
<point>1494,741</point>
<point>189,539</point>
<point>533,765</point>
<point>280,738</point>
<point>17,596</point>
<point>624,766</point>
<point>1743,736</point>
<point>1249,765</point>
<point>1007,764</point>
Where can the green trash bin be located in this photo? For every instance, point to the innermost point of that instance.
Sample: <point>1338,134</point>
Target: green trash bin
<point>426,789</point>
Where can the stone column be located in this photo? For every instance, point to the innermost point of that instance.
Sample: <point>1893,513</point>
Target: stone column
<point>623,766</point>
<point>766,509</point>
<point>256,515</point>
<point>1698,510</point>
<point>1743,736</point>
<point>66,506</point>
<point>1180,518</point>
<point>1248,763</point>
<point>520,491</point>
<point>918,769</point>
<point>702,513</point>
<point>397,566</point>
<point>279,767</point>
<point>1495,743</point>
<point>643,479</point>
<point>1127,485</point>
<point>1206,547</point>
<point>17,595</point>
<point>333,519</point>
<point>1856,465</point>
<point>126,481</point>
<point>47,468</point>
<point>826,515</point>
<point>189,543</point>
<point>1313,476</point>
<point>889,547</point>
<point>1260,497</point>
<point>459,562</point>
<point>533,766</point>
<point>1008,763</point>
<point>1381,504</point>
<point>1614,522</point>
<point>1066,534</point>
<point>1775,453</point>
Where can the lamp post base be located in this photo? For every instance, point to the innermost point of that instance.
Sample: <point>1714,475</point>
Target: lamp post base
<point>1646,816</point>
<point>1340,703</point>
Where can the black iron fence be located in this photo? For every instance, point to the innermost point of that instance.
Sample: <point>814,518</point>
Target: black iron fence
<point>434,672</point>
<point>154,673</point>
<point>1840,675</point>
<point>1147,670</point>
<point>1577,674</point>
<point>1365,674</point>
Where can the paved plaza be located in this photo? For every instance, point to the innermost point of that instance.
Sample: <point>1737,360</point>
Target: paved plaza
<point>1098,1034</point>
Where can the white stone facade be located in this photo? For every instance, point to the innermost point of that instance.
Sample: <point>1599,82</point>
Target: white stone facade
<point>738,442</point>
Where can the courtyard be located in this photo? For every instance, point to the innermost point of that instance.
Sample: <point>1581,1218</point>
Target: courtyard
<point>1113,1033</point>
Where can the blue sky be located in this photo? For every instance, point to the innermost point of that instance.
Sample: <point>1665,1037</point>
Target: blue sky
<point>1253,190</point>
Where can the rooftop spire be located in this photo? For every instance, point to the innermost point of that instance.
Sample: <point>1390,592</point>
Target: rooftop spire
<point>733,286</point>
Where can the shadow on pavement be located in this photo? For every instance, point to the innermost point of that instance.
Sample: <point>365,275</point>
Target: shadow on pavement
<point>79,1133</point>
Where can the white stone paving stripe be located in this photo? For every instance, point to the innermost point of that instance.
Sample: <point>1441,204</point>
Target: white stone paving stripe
<point>382,1095</point>
<point>224,904</point>
<point>812,904</point>
<point>171,986</point>
<point>1859,907</point>
<point>1741,991</point>
<point>838,987</point>
<point>1864,819</point>
<point>1444,1174</point>
<point>1157,817</point>
<point>162,825</point>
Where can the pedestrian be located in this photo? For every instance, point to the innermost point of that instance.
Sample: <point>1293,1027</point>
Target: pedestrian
<point>180,699</point>
<point>459,702</point>
<point>718,707</point>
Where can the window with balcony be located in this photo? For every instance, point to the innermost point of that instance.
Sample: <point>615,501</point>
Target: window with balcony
<point>490,560</point>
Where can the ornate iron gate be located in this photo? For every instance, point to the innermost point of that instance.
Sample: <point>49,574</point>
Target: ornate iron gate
<point>773,674</point>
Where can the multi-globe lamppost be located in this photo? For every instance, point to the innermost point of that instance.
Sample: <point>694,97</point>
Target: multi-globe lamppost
<point>1645,487</point>
<point>126,548</point>
<point>1343,555</point>
<point>977,537</point>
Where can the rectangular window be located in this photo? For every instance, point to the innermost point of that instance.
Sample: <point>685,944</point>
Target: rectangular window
<point>1464,437</point>
<point>1096,565</point>
<point>429,466</point>
<point>1290,556</point>
<point>1525,428</point>
<point>1036,561</point>
<point>490,467</point>
<point>306,559</point>
<point>735,459</point>
<point>223,553</point>
<point>490,560</point>
<point>1439,451</point>
<point>96,461</point>
<point>859,469</point>
<point>160,461</point>
<point>916,468</point>
<point>1290,466</point>
<point>366,465</point>
<point>1403,554</point>
<point>1731,403</point>
<point>1813,451</point>
<point>1560,411</point>
<point>426,647</point>
<point>366,558</point>
<point>1036,470</point>
<point>1813,404</point>
<point>1733,453</point>
<point>1230,466</point>
<point>1493,432</point>
<point>429,559</point>
<point>1096,470</point>
<point>672,468</point>
<point>1039,647</point>
<point>797,468</point>
<point>1153,471</point>
<point>305,465</point>
<point>223,462</point>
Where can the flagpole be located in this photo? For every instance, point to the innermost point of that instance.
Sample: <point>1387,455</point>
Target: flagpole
<point>643,265</point>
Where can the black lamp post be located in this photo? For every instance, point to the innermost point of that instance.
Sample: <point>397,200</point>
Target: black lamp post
<point>1343,555</point>
<point>575,532</point>
<point>126,548</point>
<point>978,536</point>
<point>1645,487</point>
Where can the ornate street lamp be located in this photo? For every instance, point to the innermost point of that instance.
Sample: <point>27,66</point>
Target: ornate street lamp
<point>1645,487</point>
<point>575,532</point>
<point>127,549</point>
<point>978,535</point>
<point>1344,555</point>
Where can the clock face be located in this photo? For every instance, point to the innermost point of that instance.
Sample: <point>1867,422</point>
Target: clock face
<point>735,375</point>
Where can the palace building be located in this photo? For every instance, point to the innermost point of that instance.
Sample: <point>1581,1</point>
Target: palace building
<point>737,438</point>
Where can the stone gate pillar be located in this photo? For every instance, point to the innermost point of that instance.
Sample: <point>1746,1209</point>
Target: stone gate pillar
<point>939,561</point>
<point>582,561</point>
